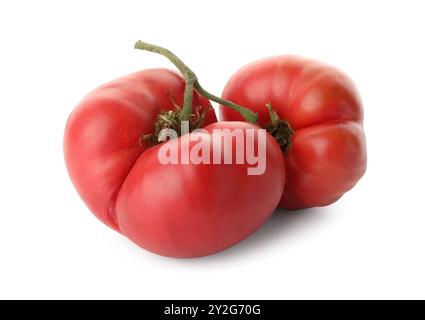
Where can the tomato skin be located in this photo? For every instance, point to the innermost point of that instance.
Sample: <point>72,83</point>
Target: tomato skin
<point>101,141</point>
<point>328,152</point>
<point>196,210</point>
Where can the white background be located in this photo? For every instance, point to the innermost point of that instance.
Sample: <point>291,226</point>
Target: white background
<point>370,244</point>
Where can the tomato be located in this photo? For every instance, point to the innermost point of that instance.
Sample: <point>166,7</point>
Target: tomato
<point>102,135</point>
<point>322,119</point>
<point>177,210</point>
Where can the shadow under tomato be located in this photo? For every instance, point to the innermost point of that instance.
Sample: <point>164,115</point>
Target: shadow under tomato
<point>282,224</point>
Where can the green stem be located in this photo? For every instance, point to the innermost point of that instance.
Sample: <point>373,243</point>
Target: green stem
<point>280,130</point>
<point>247,114</point>
<point>193,83</point>
<point>273,115</point>
<point>184,69</point>
<point>188,98</point>
<point>189,75</point>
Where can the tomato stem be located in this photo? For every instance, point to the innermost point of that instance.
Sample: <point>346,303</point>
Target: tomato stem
<point>247,114</point>
<point>279,129</point>
<point>193,83</point>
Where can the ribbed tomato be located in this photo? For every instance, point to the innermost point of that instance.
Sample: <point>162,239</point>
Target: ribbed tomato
<point>102,135</point>
<point>320,125</point>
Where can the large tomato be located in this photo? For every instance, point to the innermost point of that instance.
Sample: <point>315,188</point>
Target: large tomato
<point>102,135</point>
<point>179,210</point>
<point>321,118</point>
